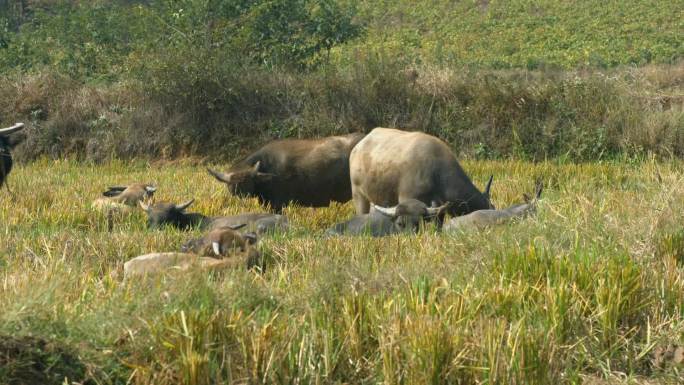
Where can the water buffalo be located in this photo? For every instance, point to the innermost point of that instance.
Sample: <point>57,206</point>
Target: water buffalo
<point>6,144</point>
<point>124,198</point>
<point>161,214</point>
<point>221,241</point>
<point>132,194</point>
<point>483,218</point>
<point>389,166</point>
<point>310,172</point>
<point>407,216</point>
<point>155,263</point>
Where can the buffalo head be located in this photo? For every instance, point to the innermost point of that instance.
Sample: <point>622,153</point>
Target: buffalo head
<point>242,181</point>
<point>6,144</point>
<point>160,214</point>
<point>409,214</point>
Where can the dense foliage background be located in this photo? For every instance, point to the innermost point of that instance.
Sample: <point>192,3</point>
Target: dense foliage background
<point>579,80</point>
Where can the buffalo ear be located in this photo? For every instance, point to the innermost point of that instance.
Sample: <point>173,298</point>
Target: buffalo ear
<point>256,166</point>
<point>437,210</point>
<point>250,237</point>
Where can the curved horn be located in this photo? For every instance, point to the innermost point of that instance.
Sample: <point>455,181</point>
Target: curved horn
<point>256,166</point>
<point>221,177</point>
<point>9,130</point>
<point>389,211</point>
<point>432,211</point>
<point>489,185</point>
<point>184,205</point>
<point>144,206</point>
<point>236,227</point>
<point>216,247</point>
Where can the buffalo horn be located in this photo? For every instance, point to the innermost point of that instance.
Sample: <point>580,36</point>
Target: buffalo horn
<point>9,130</point>
<point>185,205</point>
<point>489,185</point>
<point>222,177</point>
<point>216,247</point>
<point>389,211</point>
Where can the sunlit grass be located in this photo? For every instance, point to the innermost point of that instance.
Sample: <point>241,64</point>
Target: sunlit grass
<point>582,292</point>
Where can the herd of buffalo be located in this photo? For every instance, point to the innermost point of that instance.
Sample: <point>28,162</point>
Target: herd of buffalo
<point>397,180</point>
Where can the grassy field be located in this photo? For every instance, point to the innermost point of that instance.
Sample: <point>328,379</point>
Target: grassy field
<point>588,291</point>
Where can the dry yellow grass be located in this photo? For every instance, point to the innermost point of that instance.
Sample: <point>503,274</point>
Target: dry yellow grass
<point>583,292</point>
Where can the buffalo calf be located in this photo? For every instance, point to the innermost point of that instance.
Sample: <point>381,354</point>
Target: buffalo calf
<point>485,218</point>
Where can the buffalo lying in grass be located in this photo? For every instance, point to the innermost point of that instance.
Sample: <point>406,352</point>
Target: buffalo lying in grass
<point>310,172</point>
<point>485,218</point>
<point>155,263</point>
<point>389,166</point>
<point>163,214</point>
<point>221,242</point>
<point>406,217</point>
<point>124,198</point>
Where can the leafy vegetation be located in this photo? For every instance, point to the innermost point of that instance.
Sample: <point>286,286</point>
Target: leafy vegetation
<point>589,290</point>
<point>210,78</point>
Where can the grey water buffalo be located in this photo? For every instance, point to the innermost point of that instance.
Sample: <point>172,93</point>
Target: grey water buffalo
<point>389,166</point>
<point>124,198</point>
<point>310,172</point>
<point>7,143</point>
<point>407,216</point>
<point>163,213</point>
<point>485,218</point>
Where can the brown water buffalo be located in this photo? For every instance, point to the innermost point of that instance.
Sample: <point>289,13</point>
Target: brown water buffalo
<point>220,242</point>
<point>389,166</point>
<point>310,172</point>
<point>484,218</point>
<point>6,144</point>
<point>132,194</point>
<point>124,199</point>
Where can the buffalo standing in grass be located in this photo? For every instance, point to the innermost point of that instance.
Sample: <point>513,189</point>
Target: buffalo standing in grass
<point>389,166</point>
<point>6,144</point>
<point>308,172</point>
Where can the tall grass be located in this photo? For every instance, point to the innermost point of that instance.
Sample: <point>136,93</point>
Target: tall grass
<point>219,111</point>
<point>586,291</point>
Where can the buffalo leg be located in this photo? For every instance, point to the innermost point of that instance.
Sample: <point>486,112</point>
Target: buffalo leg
<point>361,204</point>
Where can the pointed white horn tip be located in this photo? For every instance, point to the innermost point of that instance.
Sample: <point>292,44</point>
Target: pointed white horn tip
<point>216,247</point>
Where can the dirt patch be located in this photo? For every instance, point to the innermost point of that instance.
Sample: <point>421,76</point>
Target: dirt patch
<point>33,360</point>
